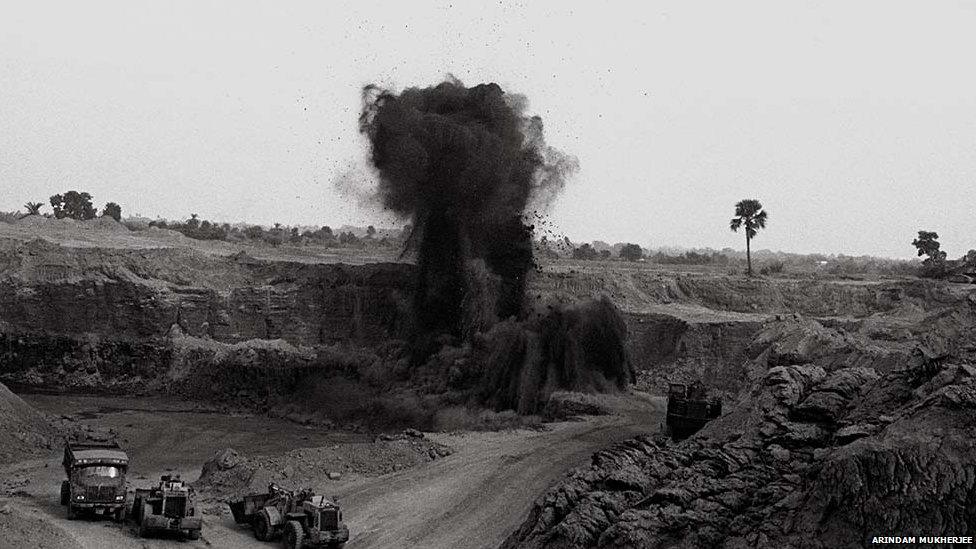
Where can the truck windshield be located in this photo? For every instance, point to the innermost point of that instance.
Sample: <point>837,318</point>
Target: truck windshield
<point>99,471</point>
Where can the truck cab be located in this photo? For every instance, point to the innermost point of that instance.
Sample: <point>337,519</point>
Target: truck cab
<point>95,482</point>
<point>322,522</point>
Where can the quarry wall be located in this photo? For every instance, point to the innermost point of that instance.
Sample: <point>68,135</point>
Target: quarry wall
<point>94,318</point>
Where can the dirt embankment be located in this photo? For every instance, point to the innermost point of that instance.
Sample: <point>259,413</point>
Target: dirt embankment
<point>638,290</point>
<point>24,432</point>
<point>20,528</point>
<point>846,429</point>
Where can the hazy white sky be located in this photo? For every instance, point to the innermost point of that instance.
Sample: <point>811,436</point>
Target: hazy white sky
<point>853,122</point>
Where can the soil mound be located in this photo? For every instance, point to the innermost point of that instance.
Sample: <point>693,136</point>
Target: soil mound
<point>229,475</point>
<point>23,529</point>
<point>24,431</point>
<point>563,405</point>
<point>66,224</point>
<point>105,223</point>
<point>33,221</point>
<point>837,439</point>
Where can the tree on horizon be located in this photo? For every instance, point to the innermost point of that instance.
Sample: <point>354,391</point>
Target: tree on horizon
<point>113,210</point>
<point>749,213</point>
<point>927,244</point>
<point>585,252</point>
<point>74,205</point>
<point>33,208</point>
<point>631,252</point>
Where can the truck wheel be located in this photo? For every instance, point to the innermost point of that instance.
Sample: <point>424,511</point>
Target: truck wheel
<point>193,534</point>
<point>72,513</point>
<point>262,527</point>
<point>294,535</point>
<point>119,515</point>
<point>143,531</point>
<point>65,493</point>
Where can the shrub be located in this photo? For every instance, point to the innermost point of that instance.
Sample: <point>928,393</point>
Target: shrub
<point>585,252</point>
<point>631,252</point>
<point>772,267</point>
<point>113,210</point>
<point>10,217</point>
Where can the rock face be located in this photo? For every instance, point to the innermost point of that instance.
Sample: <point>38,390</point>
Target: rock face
<point>86,316</point>
<point>840,436</point>
<point>686,326</point>
<point>46,288</point>
<point>95,317</point>
<point>668,349</point>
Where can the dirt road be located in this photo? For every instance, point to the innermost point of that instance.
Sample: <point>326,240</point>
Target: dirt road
<point>476,497</point>
<point>471,499</point>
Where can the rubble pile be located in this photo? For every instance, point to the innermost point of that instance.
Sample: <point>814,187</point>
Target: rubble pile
<point>228,474</point>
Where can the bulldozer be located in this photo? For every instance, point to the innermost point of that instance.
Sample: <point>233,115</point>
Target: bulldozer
<point>302,518</point>
<point>690,407</point>
<point>168,507</point>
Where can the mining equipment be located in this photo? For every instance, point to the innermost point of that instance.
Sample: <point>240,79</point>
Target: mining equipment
<point>689,409</point>
<point>96,479</point>
<point>300,517</point>
<point>167,508</point>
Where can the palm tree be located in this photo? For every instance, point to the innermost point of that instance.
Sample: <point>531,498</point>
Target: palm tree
<point>33,208</point>
<point>748,214</point>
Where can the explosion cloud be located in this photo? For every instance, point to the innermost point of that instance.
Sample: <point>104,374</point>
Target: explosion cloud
<point>463,163</point>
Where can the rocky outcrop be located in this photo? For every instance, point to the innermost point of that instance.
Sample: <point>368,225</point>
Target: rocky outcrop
<point>836,440</point>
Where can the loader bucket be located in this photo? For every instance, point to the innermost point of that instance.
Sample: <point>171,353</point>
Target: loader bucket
<point>237,509</point>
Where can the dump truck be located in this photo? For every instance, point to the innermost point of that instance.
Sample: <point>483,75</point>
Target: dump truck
<point>689,409</point>
<point>96,479</point>
<point>302,518</point>
<point>167,508</point>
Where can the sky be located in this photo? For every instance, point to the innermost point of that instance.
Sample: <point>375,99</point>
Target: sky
<point>854,123</point>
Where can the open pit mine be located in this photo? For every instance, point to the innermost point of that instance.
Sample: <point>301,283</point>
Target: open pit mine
<point>466,394</point>
<point>849,405</point>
